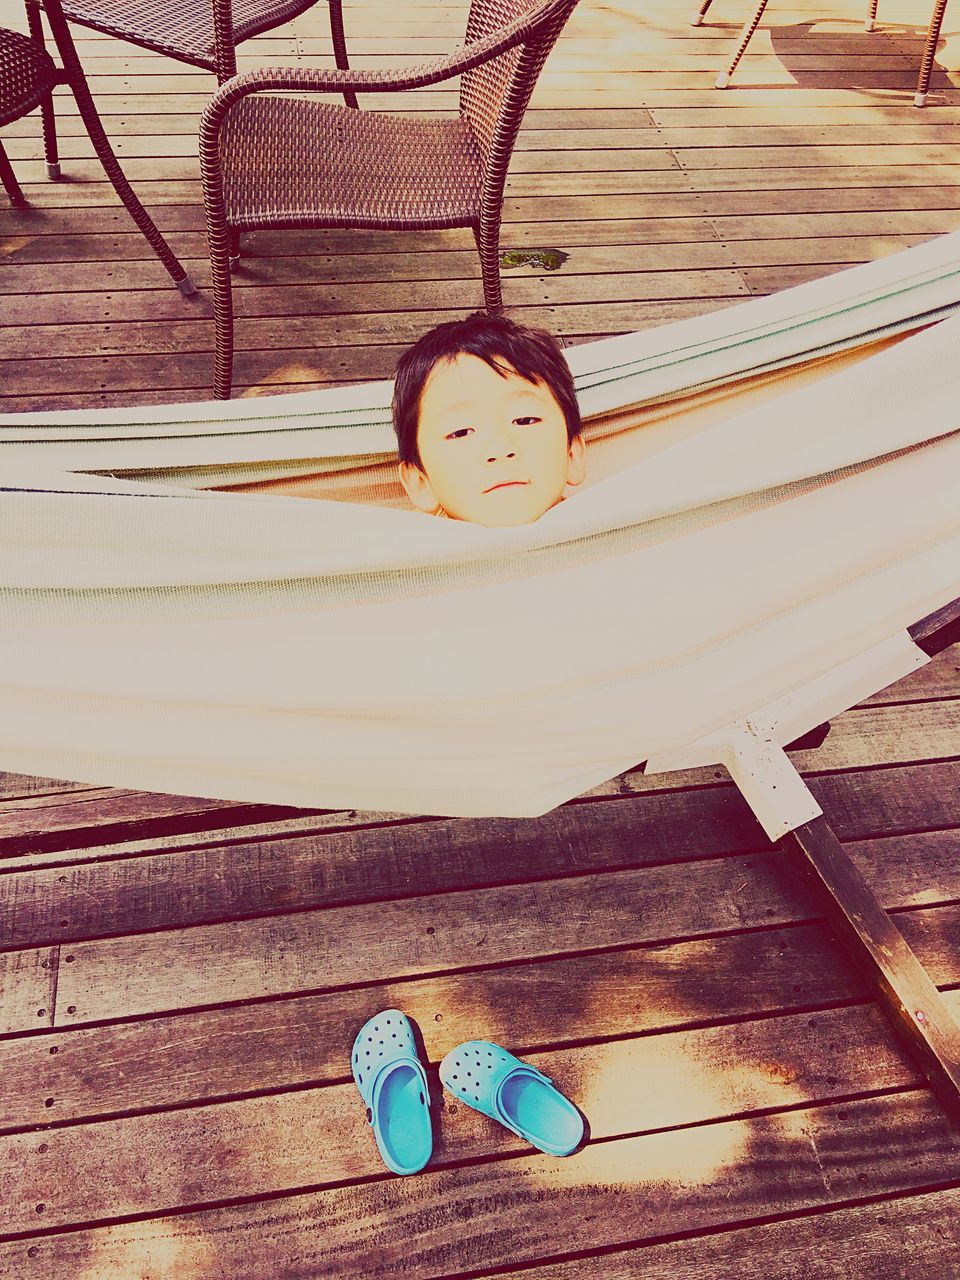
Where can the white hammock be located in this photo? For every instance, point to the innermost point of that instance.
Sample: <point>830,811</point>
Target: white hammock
<point>747,536</point>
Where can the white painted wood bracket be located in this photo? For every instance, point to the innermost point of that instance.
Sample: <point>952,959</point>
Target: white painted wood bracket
<point>751,749</point>
<point>771,786</point>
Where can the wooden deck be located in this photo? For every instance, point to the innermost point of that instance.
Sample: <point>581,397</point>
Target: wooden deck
<point>181,980</point>
<point>668,197</point>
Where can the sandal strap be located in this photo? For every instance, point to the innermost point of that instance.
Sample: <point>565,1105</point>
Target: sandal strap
<point>508,1071</point>
<point>385,1070</point>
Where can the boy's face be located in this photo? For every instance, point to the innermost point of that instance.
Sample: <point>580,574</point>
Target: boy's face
<point>494,447</point>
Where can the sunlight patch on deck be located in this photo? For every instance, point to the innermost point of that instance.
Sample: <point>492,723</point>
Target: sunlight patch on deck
<point>287,373</point>
<point>11,244</point>
<point>159,1257</point>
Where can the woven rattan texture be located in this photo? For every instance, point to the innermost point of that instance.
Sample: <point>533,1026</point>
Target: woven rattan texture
<point>27,74</point>
<point>482,90</point>
<point>183,29</point>
<point>293,162</point>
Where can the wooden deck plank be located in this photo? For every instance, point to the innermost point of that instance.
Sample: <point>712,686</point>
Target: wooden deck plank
<point>686,170</point>
<point>664,64</point>
<point>259,1047</point>
<point>262,957</point>
<point>615,1193</point>
<point>272,264</point>
<point>860,191</point>
<point>753,111</point>
<point>249,959</point>
<point>101,898</point>
<point>919,1231</point>
<point>31,824</point>
<point>27,989</point>
<point>552,129</point>
<point>319,1137</point>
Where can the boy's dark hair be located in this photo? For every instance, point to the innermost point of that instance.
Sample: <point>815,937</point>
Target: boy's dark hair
<point>533,353</point>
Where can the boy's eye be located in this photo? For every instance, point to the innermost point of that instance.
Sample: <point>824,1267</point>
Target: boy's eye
<point>525,422</point>
<point>459,434</point>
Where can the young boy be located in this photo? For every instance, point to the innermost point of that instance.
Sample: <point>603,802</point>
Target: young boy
<point>487,422</point>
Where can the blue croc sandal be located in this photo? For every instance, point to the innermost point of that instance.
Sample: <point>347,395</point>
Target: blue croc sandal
<point>393,1085</point>
<point>492,1081</point>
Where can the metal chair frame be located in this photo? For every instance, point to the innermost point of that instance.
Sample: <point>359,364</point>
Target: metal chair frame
<point>750,26</point>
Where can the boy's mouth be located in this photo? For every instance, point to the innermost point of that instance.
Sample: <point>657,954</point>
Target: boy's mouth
<point>507,484</point>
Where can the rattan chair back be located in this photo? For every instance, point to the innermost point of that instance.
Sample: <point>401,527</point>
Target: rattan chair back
<point>27,74</point>
<point>27,77</point>
<point>494,96</point>
<point>270,162</point>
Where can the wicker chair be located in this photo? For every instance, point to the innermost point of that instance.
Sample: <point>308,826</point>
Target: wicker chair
<point>280,162</point>
<point>27,77</point>
<point>203,33</point>
<point>750,26</point>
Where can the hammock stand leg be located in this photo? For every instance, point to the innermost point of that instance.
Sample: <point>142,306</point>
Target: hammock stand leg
<point>790,814</point>
<point>904,989</point>
<point>791,817</point>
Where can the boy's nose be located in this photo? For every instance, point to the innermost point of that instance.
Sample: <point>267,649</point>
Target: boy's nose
<point>500,454</point>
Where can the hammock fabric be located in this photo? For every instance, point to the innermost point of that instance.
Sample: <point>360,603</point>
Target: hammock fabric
<point>774,489</point>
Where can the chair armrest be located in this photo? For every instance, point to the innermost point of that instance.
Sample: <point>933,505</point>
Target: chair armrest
<point>333,80</point>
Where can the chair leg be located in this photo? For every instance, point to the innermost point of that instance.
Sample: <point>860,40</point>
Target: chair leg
<point>47,112</point>
<point>224,40</point>
<point>219,240</point>
<point>10,184</point>
<point>871,21</point>
<point>488,245</point>
<point>926,66</point>
<point>698,17</point>
<point>340,46</point>
<point>749,27</point>
<point>74,77</point>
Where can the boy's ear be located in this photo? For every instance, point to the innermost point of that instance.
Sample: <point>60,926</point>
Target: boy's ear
<point>576,462</point>
<point>418,488</point>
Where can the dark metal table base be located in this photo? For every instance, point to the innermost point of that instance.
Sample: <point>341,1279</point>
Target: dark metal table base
<point>73,76</point>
